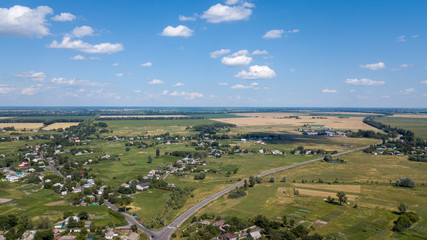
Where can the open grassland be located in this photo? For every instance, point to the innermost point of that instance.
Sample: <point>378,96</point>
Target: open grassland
<point>22,125</point>
<point>149,203</point>
<point>277,119</point>
<point>62,125</point>
<point>417,125</point>
<point>142,116</point>
<point>153,127</point>
<point>36,202</point>
<point>421,115</point>
<point>11,147</point>
<point>366,180</point>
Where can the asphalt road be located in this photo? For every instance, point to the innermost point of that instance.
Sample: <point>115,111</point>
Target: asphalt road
<point>166,232</point>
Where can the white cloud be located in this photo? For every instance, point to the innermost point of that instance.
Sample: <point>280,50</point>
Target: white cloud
<point>415,36</point>
<point>165,92</point>
<point>79,45</point>
<point>363,81</point>
<point>240,86</point>
<point>68,81</point>
<point>64,17</point>
<point>406,65</point>
<point>184,18</point>
<point>21,21</point>
<point>30,91</point>
<point>374,66</point>
<point>119,74</point>
<point>221,13</point>
<point>292,70</point>
<point>352,90</point>
<point>256,72</point>
<point>329,91</point>
<point>82,31</point>
<point>180,84</point>
<point>81,90</point>
<point>147,64</point>
<point>116,64</point>
<point>401,38</point>
<point>6,90</point>
<point>260,52</point>
<point>275,33</point>
<point>424,82</point>
<point>232,2</point>
<point>137,91</point>
<point>179,31</point>
<point>187,95</point>
<point>32,75</point>
<point>408,91</point>
<point>218,53</point>
<point>236,61</point>
<point>78,58</point>
<point>223,84</point>
<point>240,53</point>
<point>156,81</point>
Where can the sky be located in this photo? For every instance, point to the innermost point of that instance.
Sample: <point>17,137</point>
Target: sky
<point>247,53</point>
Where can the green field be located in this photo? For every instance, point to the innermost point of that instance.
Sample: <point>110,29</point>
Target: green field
<point>377,199</point>
<point>417,125</point>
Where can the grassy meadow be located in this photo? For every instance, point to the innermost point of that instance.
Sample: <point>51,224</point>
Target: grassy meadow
<point>417,125</point>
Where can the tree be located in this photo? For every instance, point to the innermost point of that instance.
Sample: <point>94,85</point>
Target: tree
<point>43,223</point>
<point>134,228</point>
<point>157,152</point>
<point>124,201</point>
<point>83,215</point>
<point>44,235</point>
<point>245,184</point>
<point>284,179</point>
<point>25,222</point>
<point>330,199</point>
<point>341,197</point>
<point>272,180</point>
<point>402,207</point>
<point>150,159</point>
<point>252,181</point>
<point>127,149</point>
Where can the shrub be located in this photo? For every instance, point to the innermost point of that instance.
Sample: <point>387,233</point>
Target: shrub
<point>237,194</point>
<point>405,182</point>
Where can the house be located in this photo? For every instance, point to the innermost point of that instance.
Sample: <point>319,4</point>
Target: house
<point>143,186</point>
<point>205,223</point>
<point>255,235</point>
<point>227,236</point>
<point>219,223</point>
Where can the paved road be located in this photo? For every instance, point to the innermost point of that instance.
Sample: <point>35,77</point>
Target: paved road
<point>51,167</point>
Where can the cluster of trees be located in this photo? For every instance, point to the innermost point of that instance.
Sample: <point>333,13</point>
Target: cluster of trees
<point>405,182</point>
<point>211,128</point>
<point>16,226</point>
<point>418,158</point>
<point>405,219</point>
<point>302,150</point>
<point>367,134</point>
<point>147,117</point>
<point>200,176</point>
<point>392,131</point>
<point>329,159</point>
<point>179,196</point>
<point>237,194</point>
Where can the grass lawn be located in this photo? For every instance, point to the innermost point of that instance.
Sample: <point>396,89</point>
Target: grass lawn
<point>149,203</point>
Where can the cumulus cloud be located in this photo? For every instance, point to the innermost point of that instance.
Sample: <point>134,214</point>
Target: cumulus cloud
<point>81,46</point>
<point>236,60</point>
<point>64,17</point>
<point>21,21</point>
<point>223,84</point>
<point>78,58</point>
<point>329,91</point>
<point>401,38</point>
<point>156,81</point>
<point>374,66</point>
<point>275,33</point>
<point>179,31</point>
<point>180,84</point>
<point>256,72</point>
<point>147,64</point>
<point>82,31</point>
<point>72,81</point>
<point>424,82</point>
<point>260,52</point>
<point>222,13</point>
<point>218,53</point>
<point>165,92</point>
<point>406,65</point>
<point>116,64</point>
<point>232,2</point>
<point>187,95</point>
<point>32,75</point>
<point>240,53</point>
<point>363,81</point>
<point>119,74</point>
<point>184,18</point>
<point>30,91</point>
<point>241,86</point>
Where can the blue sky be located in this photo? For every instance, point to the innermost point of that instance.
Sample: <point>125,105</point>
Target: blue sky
<point>213,53</point>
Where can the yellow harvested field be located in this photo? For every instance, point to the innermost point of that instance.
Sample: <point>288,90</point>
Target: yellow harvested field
<point>22,125</point>
<point>409,115</point>
<point>346,113</point>
<point>314,193</point>
<point>337,188</point>
<point>4,117</point>
<point>141,116</point>
<point>62,125</point>
<point>277,119</point>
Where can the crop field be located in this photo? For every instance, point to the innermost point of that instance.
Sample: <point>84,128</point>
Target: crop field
<point>62,125</point>
<point>142,116</point>
<point>408,116</point>
<point>22,125</point>
<point>366,180</point>
<point>415,124</point>
<point>277,119</point>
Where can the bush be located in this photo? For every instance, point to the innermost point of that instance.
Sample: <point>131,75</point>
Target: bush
<point>237,194</point>
<point>405,182</point>
<point>284,179</point>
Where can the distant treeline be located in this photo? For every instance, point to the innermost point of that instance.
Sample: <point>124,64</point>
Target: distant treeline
<point>392,131</point>
<point>127,117</point>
